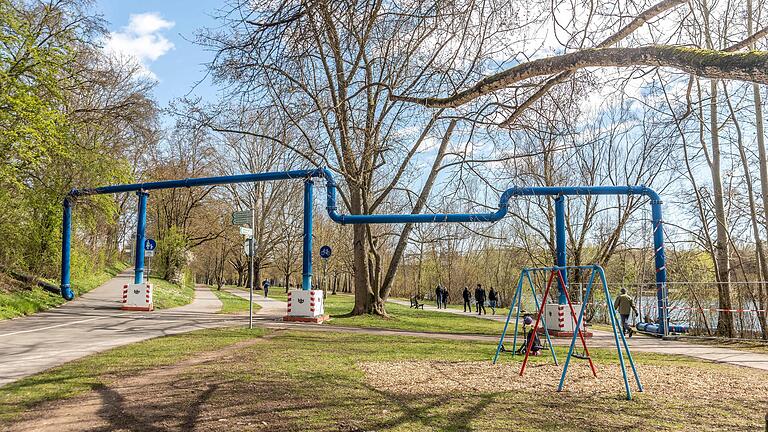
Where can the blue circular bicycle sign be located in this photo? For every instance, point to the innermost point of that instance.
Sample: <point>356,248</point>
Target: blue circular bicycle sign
<point>149,244</point>
<point>325,252</point>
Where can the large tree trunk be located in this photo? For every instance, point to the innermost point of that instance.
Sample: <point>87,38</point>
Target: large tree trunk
<point>761,263</point>
<point>725,318</point>
<point>759,129</point>
<point>366,301</point>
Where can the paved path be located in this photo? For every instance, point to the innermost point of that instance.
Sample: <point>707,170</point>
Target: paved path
<point>94,323</point>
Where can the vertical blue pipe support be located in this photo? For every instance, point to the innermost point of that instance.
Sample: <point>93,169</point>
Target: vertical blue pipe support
<point>660,263</point>
<point>515,297</point>
<point>561,258</point>
<point>306,281</point>
<point>615,324</point>
<point>66,243</point>
<point>141,227</point>
<point>576,334</point>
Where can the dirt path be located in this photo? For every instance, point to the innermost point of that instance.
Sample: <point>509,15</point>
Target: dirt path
<point>158,400</point>
<point>94,323</point>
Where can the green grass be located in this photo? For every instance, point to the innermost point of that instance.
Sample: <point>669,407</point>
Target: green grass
<point>168,295</point>
<point>302,380</point>
<point>85,374</point>
<point>29,301</point>
<point>402,317</point>
<point>232,304</point>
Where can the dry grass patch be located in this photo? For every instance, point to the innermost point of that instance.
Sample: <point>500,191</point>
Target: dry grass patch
<point>436,377</point>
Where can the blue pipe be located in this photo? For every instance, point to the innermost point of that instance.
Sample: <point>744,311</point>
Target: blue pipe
<point>66,290</point>
<point>203,181</point>
<point>656,329</point>
<point>660,262</point>
<point>141,228</point>
<point>66,242</point>
<point>306,282</point>
<point>656,219</point>
<point>561,258</point>
<point>332,209</point>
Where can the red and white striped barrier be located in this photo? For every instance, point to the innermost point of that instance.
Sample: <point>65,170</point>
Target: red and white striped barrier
<point>137,297</point>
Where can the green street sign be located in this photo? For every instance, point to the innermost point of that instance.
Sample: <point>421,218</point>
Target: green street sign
<point>242,217</point>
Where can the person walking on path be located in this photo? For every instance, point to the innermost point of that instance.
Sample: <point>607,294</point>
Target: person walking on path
<point>492,299</point>
<point>467,304</point>
<point>625,305</point>
<point>445,297</point>
<point>480,299</point>
<point>438,295</point>
<point>265,285</point>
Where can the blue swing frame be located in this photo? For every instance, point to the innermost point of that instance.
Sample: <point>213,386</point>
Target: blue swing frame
<point>596,270</point>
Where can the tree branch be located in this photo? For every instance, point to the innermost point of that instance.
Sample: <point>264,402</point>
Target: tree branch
<point>743,66</point>
<point>625,31</point>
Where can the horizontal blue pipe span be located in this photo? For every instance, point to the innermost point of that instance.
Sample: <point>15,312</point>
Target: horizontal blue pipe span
<point>201,181</point>
<point>375,218</point>
<point>478,217</point>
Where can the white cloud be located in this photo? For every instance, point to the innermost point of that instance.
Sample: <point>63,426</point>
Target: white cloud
<point>141,40</point>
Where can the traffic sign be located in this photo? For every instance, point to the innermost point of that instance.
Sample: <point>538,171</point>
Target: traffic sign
<point>325,252</point>
<point>248,232</point>
<point>244,217</point>
<point>149,253</point>
<point>247,248</point>
<point>149,245</point>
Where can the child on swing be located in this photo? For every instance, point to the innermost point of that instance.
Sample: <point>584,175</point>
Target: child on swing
<point>536,346</point>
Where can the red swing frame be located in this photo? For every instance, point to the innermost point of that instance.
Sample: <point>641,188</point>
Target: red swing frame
<point>573,314</point>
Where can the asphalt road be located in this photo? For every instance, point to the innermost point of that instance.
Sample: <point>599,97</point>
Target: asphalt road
<point>94,323</point>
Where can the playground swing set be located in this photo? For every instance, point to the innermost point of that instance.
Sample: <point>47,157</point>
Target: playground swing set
<point>529,338</point>
<point>559,194</point>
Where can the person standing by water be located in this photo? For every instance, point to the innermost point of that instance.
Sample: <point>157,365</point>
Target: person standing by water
<point>467,304</point>
<point>438,295</point>
<point>625,305</point>
<point>493,297</point>
<point>480,299</point>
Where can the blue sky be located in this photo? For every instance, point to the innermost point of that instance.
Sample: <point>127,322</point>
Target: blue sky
<point>159,35</point>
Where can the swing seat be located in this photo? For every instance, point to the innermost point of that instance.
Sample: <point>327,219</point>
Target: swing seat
<point>580,356</point>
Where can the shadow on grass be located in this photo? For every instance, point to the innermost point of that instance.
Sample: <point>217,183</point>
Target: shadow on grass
<point>118,416</point>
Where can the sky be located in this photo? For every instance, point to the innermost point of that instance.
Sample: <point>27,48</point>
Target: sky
<point>159,36</point>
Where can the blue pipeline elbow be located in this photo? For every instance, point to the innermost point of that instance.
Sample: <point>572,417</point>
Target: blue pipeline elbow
<point>67,292</point>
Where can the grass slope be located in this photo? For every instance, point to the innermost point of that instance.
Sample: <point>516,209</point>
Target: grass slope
<point>168,295</point>
<point>232,304</point>
<point>23,302</point>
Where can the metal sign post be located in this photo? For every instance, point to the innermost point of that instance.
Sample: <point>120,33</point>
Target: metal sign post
<point>325,253</point>
<point>149,252</point>
<point>247,217</point>
<point>250,265</point>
